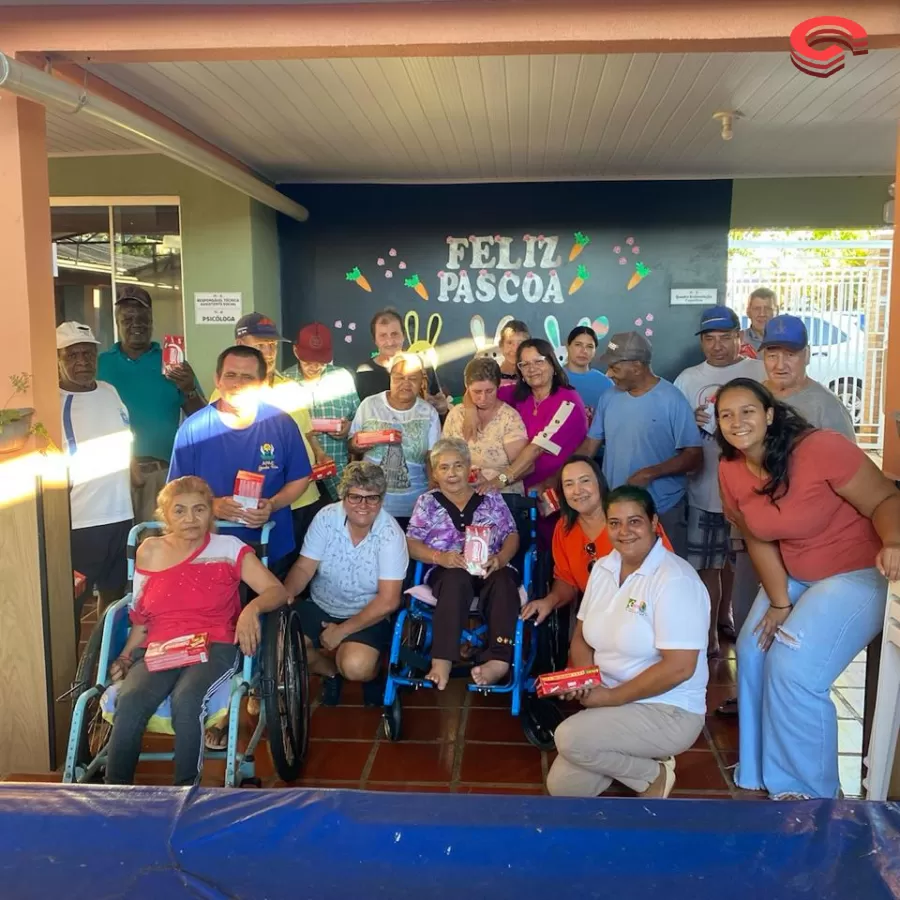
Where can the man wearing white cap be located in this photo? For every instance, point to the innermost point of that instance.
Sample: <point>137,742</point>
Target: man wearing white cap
<point>97,440</point>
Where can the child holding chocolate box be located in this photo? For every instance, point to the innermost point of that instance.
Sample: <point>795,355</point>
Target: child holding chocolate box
<point>464,565</point>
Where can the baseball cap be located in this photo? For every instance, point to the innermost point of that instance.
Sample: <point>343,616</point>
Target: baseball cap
<point>74,333</point>
<point>257,325</point>
<point>626,346</point>
<point>785,331</point>
<point>135,294</point>
<point>718,318</point>
<point>313,343</point>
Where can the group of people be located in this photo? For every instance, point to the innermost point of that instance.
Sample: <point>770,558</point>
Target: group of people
<point>666,508</point>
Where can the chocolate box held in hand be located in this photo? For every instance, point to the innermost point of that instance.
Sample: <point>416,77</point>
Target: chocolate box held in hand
<point>173,351</point>
<point>326,426</point>
<point>324,470</point>
<point>248,488</point>
<point>567,680</point>
<point>476,548</point>
<point>372,438</point>
<point>187,650</point>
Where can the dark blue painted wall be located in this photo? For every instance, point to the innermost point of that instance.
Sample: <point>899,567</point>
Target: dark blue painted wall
<point>679,228</point>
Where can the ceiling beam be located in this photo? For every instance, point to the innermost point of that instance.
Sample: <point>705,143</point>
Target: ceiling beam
<point>151,33</point>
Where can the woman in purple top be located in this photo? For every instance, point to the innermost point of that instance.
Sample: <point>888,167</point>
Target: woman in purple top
<point>436,535</point>
<point>555,422</point>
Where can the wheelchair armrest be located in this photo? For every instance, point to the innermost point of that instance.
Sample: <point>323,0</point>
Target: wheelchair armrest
<point>419,573</point>
<point>115,633</point>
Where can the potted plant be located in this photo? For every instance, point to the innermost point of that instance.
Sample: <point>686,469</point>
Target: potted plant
<point>15,422</point>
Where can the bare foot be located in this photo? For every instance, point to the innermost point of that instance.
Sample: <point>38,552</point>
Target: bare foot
<point>490,672</point>
<point>440,673</point>
<point>662,785</point>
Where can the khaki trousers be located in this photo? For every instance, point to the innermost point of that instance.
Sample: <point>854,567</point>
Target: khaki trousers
<point>143,496</point>
<point>621,743</point>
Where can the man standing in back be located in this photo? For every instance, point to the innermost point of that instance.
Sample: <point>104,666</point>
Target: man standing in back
<point>648,431</point>
<point>785,353</point>
<point>708,532</point>
<point>97,442</point>
<point>241,432</point>
<point>155,400</point>
<point>762,306</point>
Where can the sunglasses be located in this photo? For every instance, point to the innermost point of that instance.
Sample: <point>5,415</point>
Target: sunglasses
<point>591,550</point>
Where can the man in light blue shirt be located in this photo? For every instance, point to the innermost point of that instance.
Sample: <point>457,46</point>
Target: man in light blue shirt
<point>648,430</point>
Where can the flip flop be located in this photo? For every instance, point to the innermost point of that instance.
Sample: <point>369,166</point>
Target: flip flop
<point>729,708</point>
<point>216,738</point>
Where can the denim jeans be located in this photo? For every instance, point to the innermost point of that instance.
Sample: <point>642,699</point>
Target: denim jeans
<point>788,723</point>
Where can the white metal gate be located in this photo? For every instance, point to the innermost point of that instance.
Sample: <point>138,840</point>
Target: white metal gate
<point>841,290</point>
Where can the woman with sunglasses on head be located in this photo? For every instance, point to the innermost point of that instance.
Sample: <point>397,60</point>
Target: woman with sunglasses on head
<point>644,623</point>
<point>555,424</point>
<point>353,561</point>
<point>822,527</point>
<point>580,537</point>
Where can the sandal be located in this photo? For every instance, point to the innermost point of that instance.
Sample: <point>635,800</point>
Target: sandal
<point>216,738</point>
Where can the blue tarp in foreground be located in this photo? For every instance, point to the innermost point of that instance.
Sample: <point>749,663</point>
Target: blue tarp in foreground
<point>166,843</point>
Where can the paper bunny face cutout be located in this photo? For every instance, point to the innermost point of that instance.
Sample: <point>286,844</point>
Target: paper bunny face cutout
<point>432,332</point>
<point>483,347</point>
<point>551,329</point>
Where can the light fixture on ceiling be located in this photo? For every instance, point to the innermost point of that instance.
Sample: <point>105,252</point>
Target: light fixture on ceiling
<point>888,212</point>
<point>726,118</point>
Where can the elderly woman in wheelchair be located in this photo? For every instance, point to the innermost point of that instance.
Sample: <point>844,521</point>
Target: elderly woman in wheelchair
<point>436,536</point>
<point>186,582</point>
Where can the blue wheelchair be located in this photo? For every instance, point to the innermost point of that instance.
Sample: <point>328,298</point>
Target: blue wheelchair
<point>278,675</point>
<point>410,658</point>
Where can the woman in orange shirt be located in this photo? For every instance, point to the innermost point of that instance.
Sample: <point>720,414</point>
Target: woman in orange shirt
<point>580,537</point>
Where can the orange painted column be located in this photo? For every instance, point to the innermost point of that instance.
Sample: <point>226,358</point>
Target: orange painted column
<point>892,355</point>
<point>37,631</point>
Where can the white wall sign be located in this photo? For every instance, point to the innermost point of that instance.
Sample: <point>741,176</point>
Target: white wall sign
<point>694,297</point>
<point>214,308</point>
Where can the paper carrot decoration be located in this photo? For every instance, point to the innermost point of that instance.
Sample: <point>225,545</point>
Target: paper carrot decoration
<point>640,272</point>
<point>355,275</point>
<point>415,283</point>
<point>581,241</point>
<point>579,280</point>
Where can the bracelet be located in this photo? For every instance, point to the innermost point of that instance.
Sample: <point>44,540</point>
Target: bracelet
<point>434,557</point>
<point>780,607</point>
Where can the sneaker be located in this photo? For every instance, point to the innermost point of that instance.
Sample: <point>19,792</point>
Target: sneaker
<point>331,690</point>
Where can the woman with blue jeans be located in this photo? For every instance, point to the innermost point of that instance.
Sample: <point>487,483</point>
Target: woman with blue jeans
<point>822,526</point>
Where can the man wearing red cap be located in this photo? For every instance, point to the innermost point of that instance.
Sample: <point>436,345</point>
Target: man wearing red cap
<point>331,394</point>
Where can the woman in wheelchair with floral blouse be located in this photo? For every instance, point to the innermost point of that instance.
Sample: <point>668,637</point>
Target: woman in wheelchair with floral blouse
<point>186,582</point>
<point>436,535</point>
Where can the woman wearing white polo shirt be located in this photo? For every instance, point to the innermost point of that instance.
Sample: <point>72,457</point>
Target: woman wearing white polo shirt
<point>644,622</point>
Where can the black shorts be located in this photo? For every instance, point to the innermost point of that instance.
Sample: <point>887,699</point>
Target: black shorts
<point>98,552</point>
<point>377,636</point>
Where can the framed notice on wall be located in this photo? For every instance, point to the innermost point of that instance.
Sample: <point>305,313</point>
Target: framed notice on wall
<point>217,308</point>
<point>693,297</point>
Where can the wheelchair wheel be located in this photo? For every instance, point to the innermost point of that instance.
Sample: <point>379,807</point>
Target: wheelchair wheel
<point>95,730</point>
<point>540,718</point>
<point>285,691</point>
<point>393,719</point>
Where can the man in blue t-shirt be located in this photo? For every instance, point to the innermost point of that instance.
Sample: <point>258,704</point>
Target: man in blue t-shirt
<point>649,433</point>
<point>239,433</point>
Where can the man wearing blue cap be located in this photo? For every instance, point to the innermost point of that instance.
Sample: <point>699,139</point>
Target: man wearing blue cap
<point>785,353</point>
<point>708,533</point>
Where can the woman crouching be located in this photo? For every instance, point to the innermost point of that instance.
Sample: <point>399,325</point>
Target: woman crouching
<point>436,535</point>
<point>185,582</point>
<point>644,622</point>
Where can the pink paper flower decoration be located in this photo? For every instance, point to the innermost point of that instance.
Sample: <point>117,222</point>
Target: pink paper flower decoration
<point>635,249</point>
<point>507,274</point>
<point>462,272</point>
<point>529,275</point>
<point>388,274</point>
<point>401,265</point>
<point>553,273</point>
<point>617,249</point>
<point>471,237</point>
<point>449,238</point>
<point>622,260</point>
<point>638,322</point>
<point>648,317</point>
<point>526,237</point>
<point>540,237</point>
<point>497,237</point>
<point>648,332</point>
<point>629,241</point>
<point>392,252</point>
<point>482,272</point>
<point>338,324</point>
<point>348,338</point>
<point>441,274</point>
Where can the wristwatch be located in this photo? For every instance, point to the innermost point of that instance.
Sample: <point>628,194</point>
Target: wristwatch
<point>503,478</point>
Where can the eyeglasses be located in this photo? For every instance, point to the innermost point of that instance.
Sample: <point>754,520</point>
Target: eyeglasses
<point>364,499</point>
<point>591,550</point>
<point>531,364</point>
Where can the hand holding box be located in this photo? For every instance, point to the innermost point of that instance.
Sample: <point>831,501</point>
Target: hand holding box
<point>248,487</point>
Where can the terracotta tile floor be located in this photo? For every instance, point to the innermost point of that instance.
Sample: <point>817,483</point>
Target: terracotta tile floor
<point>461,742</point>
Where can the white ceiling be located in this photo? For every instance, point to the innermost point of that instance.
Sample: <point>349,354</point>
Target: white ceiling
<point>529,117</point>
<point>68,135</point>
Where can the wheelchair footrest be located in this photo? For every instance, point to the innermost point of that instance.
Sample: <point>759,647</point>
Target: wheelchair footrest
<point>414,659</point>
